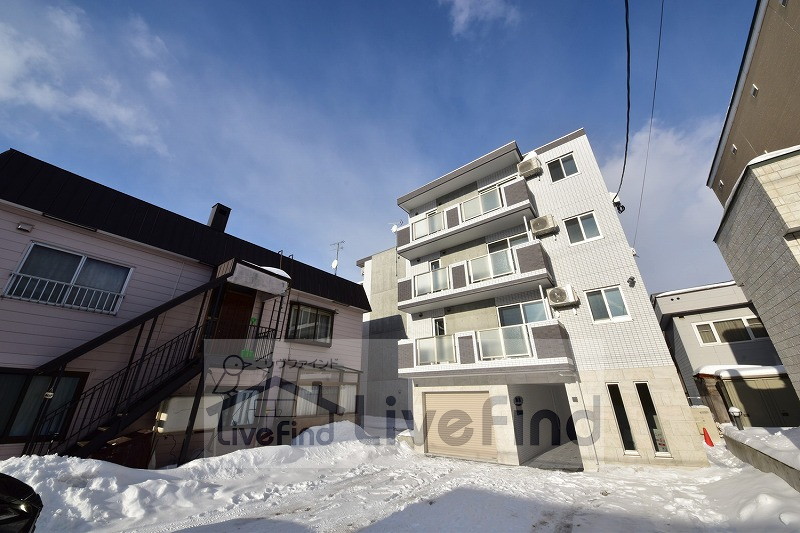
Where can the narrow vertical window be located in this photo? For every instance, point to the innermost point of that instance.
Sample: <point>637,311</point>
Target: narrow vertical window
<point>622,418</point>
<point>650,415</point>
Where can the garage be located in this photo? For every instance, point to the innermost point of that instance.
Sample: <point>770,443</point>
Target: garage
<point>459,424</point>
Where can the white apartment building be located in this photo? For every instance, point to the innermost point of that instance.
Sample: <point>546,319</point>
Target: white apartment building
<point>528,327</point>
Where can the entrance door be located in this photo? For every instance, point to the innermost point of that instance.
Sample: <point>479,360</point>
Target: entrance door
<point>459,424</point>
<point>235,313</point>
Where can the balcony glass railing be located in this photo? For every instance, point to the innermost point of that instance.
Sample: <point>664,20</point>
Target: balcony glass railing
<point>436,350</point>
<point>483,203</point>
<point>503,343</point>
<point>435,280</point>
<point>430,224</point>
<point>490,266</point>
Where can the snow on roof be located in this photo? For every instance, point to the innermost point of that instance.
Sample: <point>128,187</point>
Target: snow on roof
<point>743,371</point>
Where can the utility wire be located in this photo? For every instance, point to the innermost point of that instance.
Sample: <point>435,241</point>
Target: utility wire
<point>615,201</point>
<point>650,129</point>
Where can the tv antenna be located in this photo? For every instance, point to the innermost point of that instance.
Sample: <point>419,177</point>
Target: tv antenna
<point>339,246</point>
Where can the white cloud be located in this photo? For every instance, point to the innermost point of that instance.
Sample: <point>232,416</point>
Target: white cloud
<point>54,69</point>
<point>157,80</point>
<point>679,215</point>
<point>143,41</point>
<point>68,20</point>
<point>466,12</point>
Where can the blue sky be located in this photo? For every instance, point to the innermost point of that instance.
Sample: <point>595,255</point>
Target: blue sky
<point>309,119</point>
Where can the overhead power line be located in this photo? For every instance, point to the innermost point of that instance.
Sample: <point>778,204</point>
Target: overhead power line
<point>650,129</point>
<point>615,201</point>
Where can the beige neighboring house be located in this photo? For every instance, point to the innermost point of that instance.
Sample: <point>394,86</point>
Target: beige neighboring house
<point>725,356</point>
<point>108,304</point>
<point>756,176</point>
<point>530,336</point>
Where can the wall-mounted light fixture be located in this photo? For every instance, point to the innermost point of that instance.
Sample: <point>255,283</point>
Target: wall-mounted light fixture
<point>25,226</point>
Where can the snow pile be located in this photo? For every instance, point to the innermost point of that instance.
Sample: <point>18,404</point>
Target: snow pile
<point>349,483</point>
<point>782,444</point>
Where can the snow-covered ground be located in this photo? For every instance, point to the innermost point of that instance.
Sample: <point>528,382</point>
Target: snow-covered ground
<point>782,444</point>
<point>351,484</point>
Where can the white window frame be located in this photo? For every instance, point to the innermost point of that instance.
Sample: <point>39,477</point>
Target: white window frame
<point>658,417</point>
<point>508,241</point>
<point>561,164</point>
<point>610,318</point>
<point>481,192</point>
<point>75,275</point>
<point>719,342</point>
<point>428,216</point>
<point>547,311</point>
<point>583,232</point>
<point>434,320</point>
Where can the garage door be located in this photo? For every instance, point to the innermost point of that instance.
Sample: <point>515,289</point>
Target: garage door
<point>459,424</point>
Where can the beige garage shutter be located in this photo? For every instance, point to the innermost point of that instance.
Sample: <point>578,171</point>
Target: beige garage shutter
<point>459,424</point>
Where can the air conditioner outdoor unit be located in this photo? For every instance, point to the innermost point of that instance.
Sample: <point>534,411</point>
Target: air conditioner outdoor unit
<point>543,225</point>
<point>562,296</point>
<point>530,166</point>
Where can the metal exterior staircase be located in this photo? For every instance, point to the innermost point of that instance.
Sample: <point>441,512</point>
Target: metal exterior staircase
<point>85,424</point>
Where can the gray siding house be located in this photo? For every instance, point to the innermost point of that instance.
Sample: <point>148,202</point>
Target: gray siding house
<point>725,356</point>
<point>107,305</point>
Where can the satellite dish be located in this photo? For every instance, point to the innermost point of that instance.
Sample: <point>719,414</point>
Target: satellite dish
<point>335,264</point>
<point>394,228</point>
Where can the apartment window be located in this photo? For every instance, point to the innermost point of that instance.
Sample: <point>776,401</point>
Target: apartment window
<point>651,417</point>
<point>438,326</point>
<point>509,242</point>
<point>487,200</point>
<point>621,415</point>
<point>563,167</point>
<point>432,281</point>
<point>607,304</point>
<point>582,228</point>
<point>432,223</point>
<point>240,410</point>
<point>66,279</point>
<point>730,330</point>
<point>512,315</point>
<point>436,350</point>
<point>502,343</point>
<point>322,393</point>
<point>21,397</point>
<point>310,323</point>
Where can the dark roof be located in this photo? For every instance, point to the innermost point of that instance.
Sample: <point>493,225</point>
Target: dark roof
<point>57,193</point>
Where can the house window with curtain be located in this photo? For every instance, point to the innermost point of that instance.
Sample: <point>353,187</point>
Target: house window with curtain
<point>730,330</point>
<point>56,277</point>
<point>309,323</point>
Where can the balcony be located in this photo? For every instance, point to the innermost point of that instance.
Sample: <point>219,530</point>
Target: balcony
<point>436,350</point>
<point>517,269</point>
<point>542,349</point>
<point>489,211</point>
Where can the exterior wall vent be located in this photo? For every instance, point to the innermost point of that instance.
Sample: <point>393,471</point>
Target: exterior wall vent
<point>543,225</point>
<point>530,166</point>
<point>562,296</point>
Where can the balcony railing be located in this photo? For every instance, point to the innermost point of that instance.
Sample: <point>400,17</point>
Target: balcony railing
<point>430,224</point>
<point>436,350</point>
<point>433,281</point>
<point>61,294</point>
<point>490,266</point>
<point>483,203</point>
<point>504,343</point>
